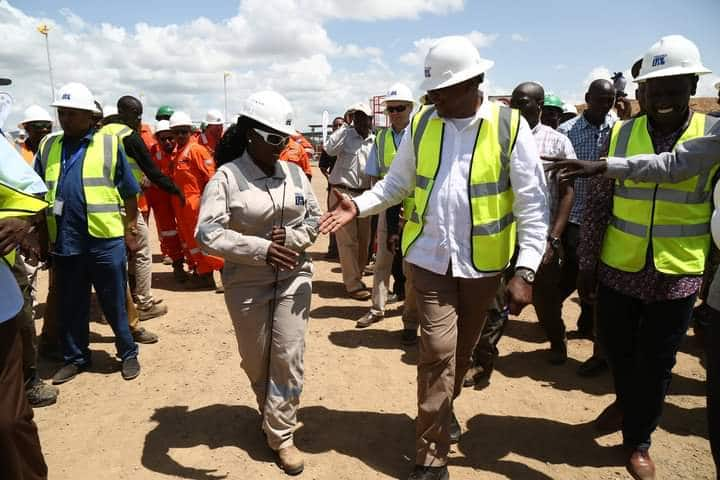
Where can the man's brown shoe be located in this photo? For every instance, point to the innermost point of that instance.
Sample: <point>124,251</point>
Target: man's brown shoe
<point>640,465</point>
<point>291,460</point>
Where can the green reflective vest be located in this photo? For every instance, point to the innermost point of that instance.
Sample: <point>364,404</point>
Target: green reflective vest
<point>14,203</point>
<point>490,196</point>
<point>121,131</point>
<point>672,217</point>
<point>103,203</point>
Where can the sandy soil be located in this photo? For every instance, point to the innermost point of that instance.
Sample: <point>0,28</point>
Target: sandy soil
<point>191,413</point>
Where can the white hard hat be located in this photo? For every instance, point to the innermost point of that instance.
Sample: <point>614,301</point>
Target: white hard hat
<point>452,60</point>
<point>162,126</point>
<point>214,117</point>
<point>271,109</point>
<point>180,119</point>
<point>77,96</point>
<point>109,110</point>
<point>361,107</point>
<point>398,93</point>
<point>35,113</point>
<point>671,55</point>
<point>569,108</point>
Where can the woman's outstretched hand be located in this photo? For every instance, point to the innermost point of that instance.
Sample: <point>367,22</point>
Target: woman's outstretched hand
<point>344,211</point>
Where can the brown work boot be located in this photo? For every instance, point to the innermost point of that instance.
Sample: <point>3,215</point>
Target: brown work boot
<point>291,460</point>
<point>153,311</point>
<point>640,465</point>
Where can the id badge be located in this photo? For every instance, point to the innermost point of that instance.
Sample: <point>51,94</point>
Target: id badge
<point>58,207</point>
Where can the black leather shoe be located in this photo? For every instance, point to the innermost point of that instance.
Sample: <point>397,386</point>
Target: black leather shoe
<point>421,472</point>
<point>130,368</point>
<point>455,430</point>
<point>68,372</point>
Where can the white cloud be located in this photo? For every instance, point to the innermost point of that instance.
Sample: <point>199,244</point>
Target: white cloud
<point>517,37</point>
<point>706,85</point>
<point>416,57</point>
<point>183,64</point>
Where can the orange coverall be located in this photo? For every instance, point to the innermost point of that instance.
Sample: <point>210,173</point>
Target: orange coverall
<point>191,169</point>
<point>295,153</point>
<point>161,205</point>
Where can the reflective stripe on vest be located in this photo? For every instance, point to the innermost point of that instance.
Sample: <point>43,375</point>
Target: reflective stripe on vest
<point>122,131</point>
<point>385,149</point>
<point>14,203</point>
<point>490,196</point>
<point>674,217</point>
<point>102,200</point>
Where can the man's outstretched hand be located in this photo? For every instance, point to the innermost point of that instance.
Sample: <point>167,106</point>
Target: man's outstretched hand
<point>340,216</point>
<point>569,169</point>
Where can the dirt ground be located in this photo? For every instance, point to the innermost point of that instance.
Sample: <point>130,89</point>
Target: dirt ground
<point>191,413</point>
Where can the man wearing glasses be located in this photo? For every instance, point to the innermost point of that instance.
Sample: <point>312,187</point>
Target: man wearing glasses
<point>37,124</point>
<point>398,104</point>
<point>192,168</point>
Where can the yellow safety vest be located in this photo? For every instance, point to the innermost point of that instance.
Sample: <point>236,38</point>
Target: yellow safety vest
<point>490,196</point>
<point>103,201</point>
<point>121,131</point>
<point>386,150</point>
<point>14,203</point>
<point>675,217</point>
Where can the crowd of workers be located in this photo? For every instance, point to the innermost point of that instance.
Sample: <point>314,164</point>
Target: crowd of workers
<point>451,200</point>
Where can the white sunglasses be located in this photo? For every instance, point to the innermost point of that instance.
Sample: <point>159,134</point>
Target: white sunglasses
<point>272,138</point>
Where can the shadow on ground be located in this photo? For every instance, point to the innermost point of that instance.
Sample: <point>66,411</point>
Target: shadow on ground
<point>380,440</point>
<point>375,339</point>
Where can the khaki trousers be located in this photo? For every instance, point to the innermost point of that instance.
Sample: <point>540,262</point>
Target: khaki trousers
<point>452,313</point>
<point>250,310</point>
<point>410,308</point>
<point>140,265</point>
<point>353,241</point>
<point>383,268</point>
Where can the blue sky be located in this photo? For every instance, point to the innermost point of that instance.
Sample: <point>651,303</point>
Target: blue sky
<point>562,44</point>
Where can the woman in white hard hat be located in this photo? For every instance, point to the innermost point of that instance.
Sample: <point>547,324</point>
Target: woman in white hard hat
<point>260,215</point>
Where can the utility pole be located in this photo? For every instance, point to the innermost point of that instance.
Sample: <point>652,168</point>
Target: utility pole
<point>225,77</point>
<point>44,30</point>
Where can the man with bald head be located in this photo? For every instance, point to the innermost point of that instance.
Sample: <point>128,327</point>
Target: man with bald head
<point>554,282</point>
<point>588,133</point>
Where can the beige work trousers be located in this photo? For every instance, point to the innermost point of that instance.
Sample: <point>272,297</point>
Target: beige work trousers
<point>353,241</point>
<point>250,309</point>
<point>410,309</point>
<point>383,269</point>
<point>452,313</point>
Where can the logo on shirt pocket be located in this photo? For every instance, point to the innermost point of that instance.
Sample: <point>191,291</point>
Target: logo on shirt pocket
<point>299,199</point>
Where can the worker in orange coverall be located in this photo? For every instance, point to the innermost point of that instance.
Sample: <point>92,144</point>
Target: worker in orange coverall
<point>294,152</point>
<point>191,169</point>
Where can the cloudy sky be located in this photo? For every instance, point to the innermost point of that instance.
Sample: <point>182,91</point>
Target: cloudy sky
<point>324,54</point>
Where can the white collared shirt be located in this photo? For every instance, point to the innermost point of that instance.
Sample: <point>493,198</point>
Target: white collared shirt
<point>446,235</point>
<point>352,153</point>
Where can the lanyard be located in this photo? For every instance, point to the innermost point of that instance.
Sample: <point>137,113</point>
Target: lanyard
<point>67,162</point>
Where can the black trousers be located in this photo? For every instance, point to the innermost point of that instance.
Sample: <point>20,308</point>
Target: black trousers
<point>20,452</point>
<point>641,341</point>
<point>713,389</point>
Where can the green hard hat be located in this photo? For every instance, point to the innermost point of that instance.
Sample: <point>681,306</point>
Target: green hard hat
<point>165,111</point>
<point>553,101</point>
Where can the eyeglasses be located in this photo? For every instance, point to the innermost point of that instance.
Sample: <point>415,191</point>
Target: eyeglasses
<point>398,109</point>
<point>272,138</point>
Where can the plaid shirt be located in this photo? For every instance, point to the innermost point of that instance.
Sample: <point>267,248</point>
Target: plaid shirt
<point>550,143</point>
<point>588,142</point>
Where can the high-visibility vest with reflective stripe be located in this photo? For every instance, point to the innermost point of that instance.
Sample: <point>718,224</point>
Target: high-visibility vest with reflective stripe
<point>674,216</point>
<point>122,131</point>
<point>14,203</point>
<point>491,198</point>
<point>385,148</point>
<point>102,200</point>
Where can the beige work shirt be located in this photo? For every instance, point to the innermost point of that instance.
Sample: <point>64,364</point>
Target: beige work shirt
<point>352,153</point>
<point>239,207</point>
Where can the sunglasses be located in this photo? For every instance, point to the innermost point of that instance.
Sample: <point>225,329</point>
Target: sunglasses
<point>39,125</point>
<point>398,109</point>
<point>272,138</point>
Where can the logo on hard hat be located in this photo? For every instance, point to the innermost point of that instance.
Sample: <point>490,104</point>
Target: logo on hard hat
<point>659,60</point>
<point>288,122</point>
<point>427,72</point>
<point>65,96</point>
<point>393,93</point>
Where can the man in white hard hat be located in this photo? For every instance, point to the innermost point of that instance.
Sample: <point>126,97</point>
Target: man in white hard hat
<point>93,198</point>
<point>478,185</point>
<point>211,135</point>
<point>352,144</point>
<point>398,103</point>
<point>37,123</point>
<point>644,248</point>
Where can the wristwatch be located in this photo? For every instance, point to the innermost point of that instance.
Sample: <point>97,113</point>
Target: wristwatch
<point>526,274</point>
<point>554,242</point>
